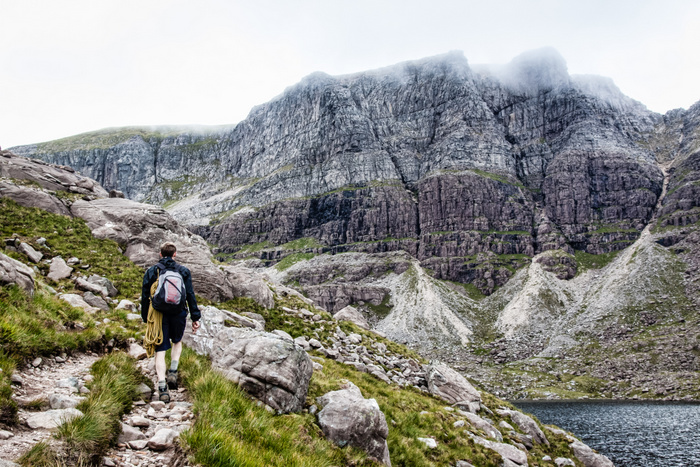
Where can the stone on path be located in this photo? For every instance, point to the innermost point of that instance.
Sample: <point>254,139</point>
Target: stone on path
<point>51,419</point>
<point>6,434</point>
<point>163,439</point>
<point>60,401</point>
<point>129,433</point>
<point>137,352</point>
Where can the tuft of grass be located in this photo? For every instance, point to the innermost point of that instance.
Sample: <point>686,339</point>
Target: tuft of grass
<point>589,261</point>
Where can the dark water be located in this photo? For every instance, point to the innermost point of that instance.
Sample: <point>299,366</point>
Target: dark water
<point>631,434</point>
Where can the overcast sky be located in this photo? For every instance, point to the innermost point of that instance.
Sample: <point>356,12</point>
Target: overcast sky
<point>71,66</point>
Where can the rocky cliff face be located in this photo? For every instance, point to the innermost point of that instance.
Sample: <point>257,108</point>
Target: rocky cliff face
<point>434,157</point>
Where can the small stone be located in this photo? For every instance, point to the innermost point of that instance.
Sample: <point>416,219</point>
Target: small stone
<point>315,343</point>
<point>129,433</point>
<point>107,462</point>
<point>140,421</point>
<point>563,461</point>
<point>60,360</point>
<point>430,442</point>
<point>133,317</point>
<point>70,382</point>
<point>84,390</point>
<point>458,423</point>
<point>59,401</point>
<point>126,305</point>
<point>6,434</point>
<point>36,362</point>
<point>33,255</point>
<point>546,459</point>
<point>158,405</point>
<point>16,379</point>
<point>137,352</point>
<point>138,444</point>
<point>463,464</point>
<point>163,439</point>
<point>88,378</point>
<point>51,419</point>
<point>144,390</point>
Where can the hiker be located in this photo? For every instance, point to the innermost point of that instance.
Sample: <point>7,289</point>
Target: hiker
<point>165,297</point>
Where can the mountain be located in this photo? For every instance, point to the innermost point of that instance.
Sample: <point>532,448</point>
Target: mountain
<point>493,214</point>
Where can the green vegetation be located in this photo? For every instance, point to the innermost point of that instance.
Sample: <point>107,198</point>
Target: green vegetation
<point>498,178</point>
<point>102,139</point>
<point>291,260</point>
<point>303,243</point>
<point>383,309</point>
<point>256,247</point>
<point>586,261</point>
<point>84,440</point>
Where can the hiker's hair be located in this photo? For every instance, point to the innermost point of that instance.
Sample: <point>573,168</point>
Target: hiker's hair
<point>167,249</point>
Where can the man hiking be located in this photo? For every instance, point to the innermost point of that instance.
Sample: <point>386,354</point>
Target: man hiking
<point>165,297</point>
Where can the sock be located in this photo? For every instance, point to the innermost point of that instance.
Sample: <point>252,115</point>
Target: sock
<point>162,385</point>
<point>173,365</point>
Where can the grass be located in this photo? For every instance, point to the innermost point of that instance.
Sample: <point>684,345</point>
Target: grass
<point>303,243</point>
<point>586,261</point>
<point>289,261</point>
<point>85,439</point>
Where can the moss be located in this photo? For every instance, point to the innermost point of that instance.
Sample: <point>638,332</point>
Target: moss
<point>586,261</point>
<point>498,178</point>
<point>302,244</point>
<point>291,260</point>
<point>383,309</point>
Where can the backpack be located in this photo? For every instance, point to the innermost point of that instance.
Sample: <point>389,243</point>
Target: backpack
<point>170,295</point>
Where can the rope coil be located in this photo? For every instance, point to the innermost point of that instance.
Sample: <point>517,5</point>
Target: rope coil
<point>154,327</point>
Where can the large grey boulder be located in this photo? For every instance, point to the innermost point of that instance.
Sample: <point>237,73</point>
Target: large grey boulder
<point>59,269</point>
<point>352,314</point>
<point>77,301</point>
<point>588,456</point>
<point>447,384</point>
<point>14,272</point>
<point>245,282</point>
<point>105,283</point>
<point>270,368</point>
<point>526,424</point>
<point>347,417</point>
<point>483,425</point>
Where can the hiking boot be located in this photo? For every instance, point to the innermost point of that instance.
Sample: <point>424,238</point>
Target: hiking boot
<point>171,379</point>
<point>163,394</point>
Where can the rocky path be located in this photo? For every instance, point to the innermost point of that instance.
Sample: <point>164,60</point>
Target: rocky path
<point>150,431</point>
<point>54,386</point>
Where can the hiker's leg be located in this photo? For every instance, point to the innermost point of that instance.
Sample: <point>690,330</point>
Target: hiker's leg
<point>160,365</point>
<point>175,355</point>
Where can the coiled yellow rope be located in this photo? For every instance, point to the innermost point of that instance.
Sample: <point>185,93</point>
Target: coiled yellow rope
<point>154,327</point>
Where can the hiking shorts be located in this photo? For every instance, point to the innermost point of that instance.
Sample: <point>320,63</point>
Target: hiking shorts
<point>173,329</point>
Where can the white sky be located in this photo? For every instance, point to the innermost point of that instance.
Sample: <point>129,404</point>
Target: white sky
<point>71,66</point>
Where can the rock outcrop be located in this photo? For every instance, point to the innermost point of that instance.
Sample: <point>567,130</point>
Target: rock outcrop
<point>15,272</point>
<point>347,418</point>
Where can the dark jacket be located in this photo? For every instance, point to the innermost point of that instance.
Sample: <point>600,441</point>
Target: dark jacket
<point>151,276</point>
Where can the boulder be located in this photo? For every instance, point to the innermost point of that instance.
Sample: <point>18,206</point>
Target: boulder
<point>348,418</point>
<point>14,272</point>
<point>77,301</point>
<point>507,451</point>
<point>353,315</point>
<point>447,384</point>
<point>526,424</point>
<point>105,283</point>
<point>59,269</point>
<point>137,352</point>
<point>83,284</point>
<point>564,462</point>
<point>270,368</point>
<point>483,425</point>
<point>51,419</point>
<point>244,282</point>
<point>126,305</point>
<point>588,456</point>
<point>93,300</point>
<point>33,255</point>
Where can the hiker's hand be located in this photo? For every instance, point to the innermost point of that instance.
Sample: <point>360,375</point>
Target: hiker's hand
<point>195,326</point>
